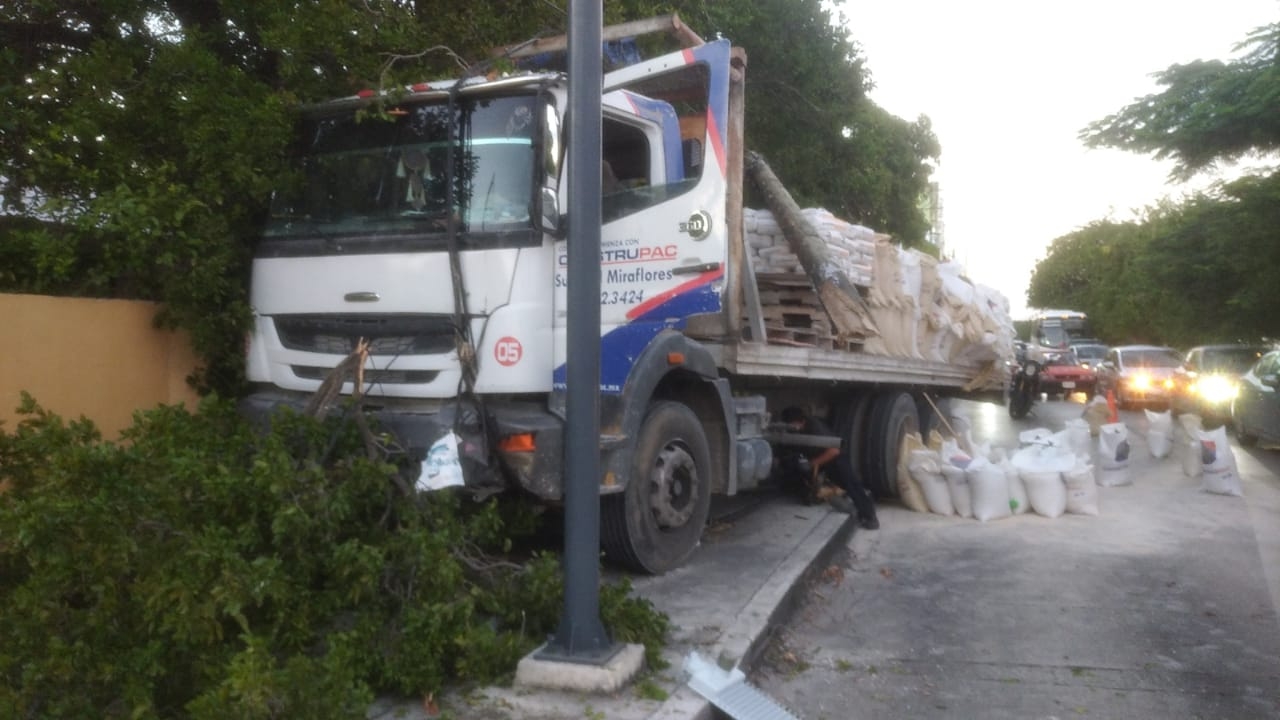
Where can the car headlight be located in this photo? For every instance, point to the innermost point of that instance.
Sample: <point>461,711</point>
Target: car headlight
<point>1140,382</point>
<point>1215,389</point>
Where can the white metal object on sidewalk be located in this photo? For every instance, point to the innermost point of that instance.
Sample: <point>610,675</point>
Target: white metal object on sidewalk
<point>730,692</point>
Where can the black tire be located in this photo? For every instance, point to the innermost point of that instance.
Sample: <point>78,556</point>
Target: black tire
<point>853,421</point>
<point>656,522</point>
<point>893,416</point>
<point>1019,403</point>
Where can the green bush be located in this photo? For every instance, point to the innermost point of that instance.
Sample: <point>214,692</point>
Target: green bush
<point>199,569</point>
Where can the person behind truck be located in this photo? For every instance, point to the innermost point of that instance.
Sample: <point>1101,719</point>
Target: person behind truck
<point>837,464</point>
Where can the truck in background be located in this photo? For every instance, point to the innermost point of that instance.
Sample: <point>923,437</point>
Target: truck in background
<point>423,234</point>
<point>1061,328</point>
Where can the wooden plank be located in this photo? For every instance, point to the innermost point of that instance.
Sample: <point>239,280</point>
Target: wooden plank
<point>751,299</point>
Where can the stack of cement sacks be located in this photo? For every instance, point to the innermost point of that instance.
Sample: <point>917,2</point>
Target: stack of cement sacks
<point>923,308</point>
<point>852,246</point>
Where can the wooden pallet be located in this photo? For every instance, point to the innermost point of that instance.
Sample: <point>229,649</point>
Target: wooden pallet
<point>793,315</point>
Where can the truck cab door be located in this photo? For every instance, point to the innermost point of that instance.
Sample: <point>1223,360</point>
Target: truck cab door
<point>663,239</point>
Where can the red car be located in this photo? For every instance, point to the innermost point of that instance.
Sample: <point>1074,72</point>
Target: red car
<point>1063,375</point>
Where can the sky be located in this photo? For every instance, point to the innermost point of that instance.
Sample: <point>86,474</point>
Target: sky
<point>1008,85</point>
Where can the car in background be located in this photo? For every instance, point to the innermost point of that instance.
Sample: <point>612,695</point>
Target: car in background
<point>1255,411</point>
<point>1209,377</point>
<point>1139,374</point>
<point>1090,355</point>
<point>1063,375</point>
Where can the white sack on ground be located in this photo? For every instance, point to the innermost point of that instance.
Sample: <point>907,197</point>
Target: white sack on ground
<point>1113,455</point>
<point>1036,436</point>
<point>1220,475</point>
<point>1159,433</point>
<point>958,485</point>
<point>1017,490</point>
<point>953,454</point>
<point>1159,443</point>
<point>1113,446</point>
<point>935,441</point>
<point>908,489</point>
<point>1162,421</point>
<point>1192,465</point>
<point>989,490</point>
<point>1045,492</point>
<point>1186,445</point>
<point>1077,436</point>
<point>1041,468</point>
<point>1043,457</point>
<point>1082,490</point>
<point>926,469</point>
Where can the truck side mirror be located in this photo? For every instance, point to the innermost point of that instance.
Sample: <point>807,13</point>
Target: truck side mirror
<point>551,219</point>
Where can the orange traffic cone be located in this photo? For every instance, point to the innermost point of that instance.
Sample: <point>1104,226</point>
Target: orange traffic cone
<point>1114,417</point>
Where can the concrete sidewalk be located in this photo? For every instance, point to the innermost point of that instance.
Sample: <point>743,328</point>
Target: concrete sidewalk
<point>723,604</point>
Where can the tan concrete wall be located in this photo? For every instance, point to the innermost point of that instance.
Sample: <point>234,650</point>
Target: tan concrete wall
<point>103,359</point>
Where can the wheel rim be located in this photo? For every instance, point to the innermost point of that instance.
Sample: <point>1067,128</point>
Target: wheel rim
<point>673,486</point>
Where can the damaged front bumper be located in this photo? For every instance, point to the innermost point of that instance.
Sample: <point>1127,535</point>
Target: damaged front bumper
<point>489,448</point>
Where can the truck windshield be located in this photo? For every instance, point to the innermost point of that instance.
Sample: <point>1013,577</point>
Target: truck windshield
<point>361,174</point>
<point>1060,331</point>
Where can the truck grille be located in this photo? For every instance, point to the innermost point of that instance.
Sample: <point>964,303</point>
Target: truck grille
<point>371,377</point>
<point>393,335</point>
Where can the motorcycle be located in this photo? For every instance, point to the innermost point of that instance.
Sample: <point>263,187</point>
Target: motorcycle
<point>1024,385</point>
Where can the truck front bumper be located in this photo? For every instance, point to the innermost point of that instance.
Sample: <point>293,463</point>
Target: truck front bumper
<point>488,463</point>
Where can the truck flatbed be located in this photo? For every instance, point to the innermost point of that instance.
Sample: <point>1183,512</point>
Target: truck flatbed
<point>756,359</point>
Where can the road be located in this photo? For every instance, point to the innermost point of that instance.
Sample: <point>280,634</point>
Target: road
<point>1164,605</point>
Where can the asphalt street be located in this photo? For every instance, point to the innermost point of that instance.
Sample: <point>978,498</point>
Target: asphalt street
<point>1163,606</point>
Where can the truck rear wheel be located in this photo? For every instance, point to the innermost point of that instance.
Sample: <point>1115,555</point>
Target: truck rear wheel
<point>893,417</point>
<point>657,521</point>
<point>853,421</point>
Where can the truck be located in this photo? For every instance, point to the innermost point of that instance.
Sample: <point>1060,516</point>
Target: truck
<point>423,234</point>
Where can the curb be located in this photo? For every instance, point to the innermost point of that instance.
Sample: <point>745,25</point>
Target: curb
<point>769,608</point>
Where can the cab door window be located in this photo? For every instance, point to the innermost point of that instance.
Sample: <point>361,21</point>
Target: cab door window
<point>651,139</point>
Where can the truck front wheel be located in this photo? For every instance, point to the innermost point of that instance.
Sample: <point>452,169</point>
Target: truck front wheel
<point>657,521</point>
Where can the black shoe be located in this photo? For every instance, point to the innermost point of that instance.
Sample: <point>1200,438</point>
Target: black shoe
<point>869,523</point>
<point>841,503</point>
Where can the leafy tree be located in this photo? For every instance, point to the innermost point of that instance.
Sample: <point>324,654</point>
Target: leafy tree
<point>1211,111</point>
<point>1201,270</point>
